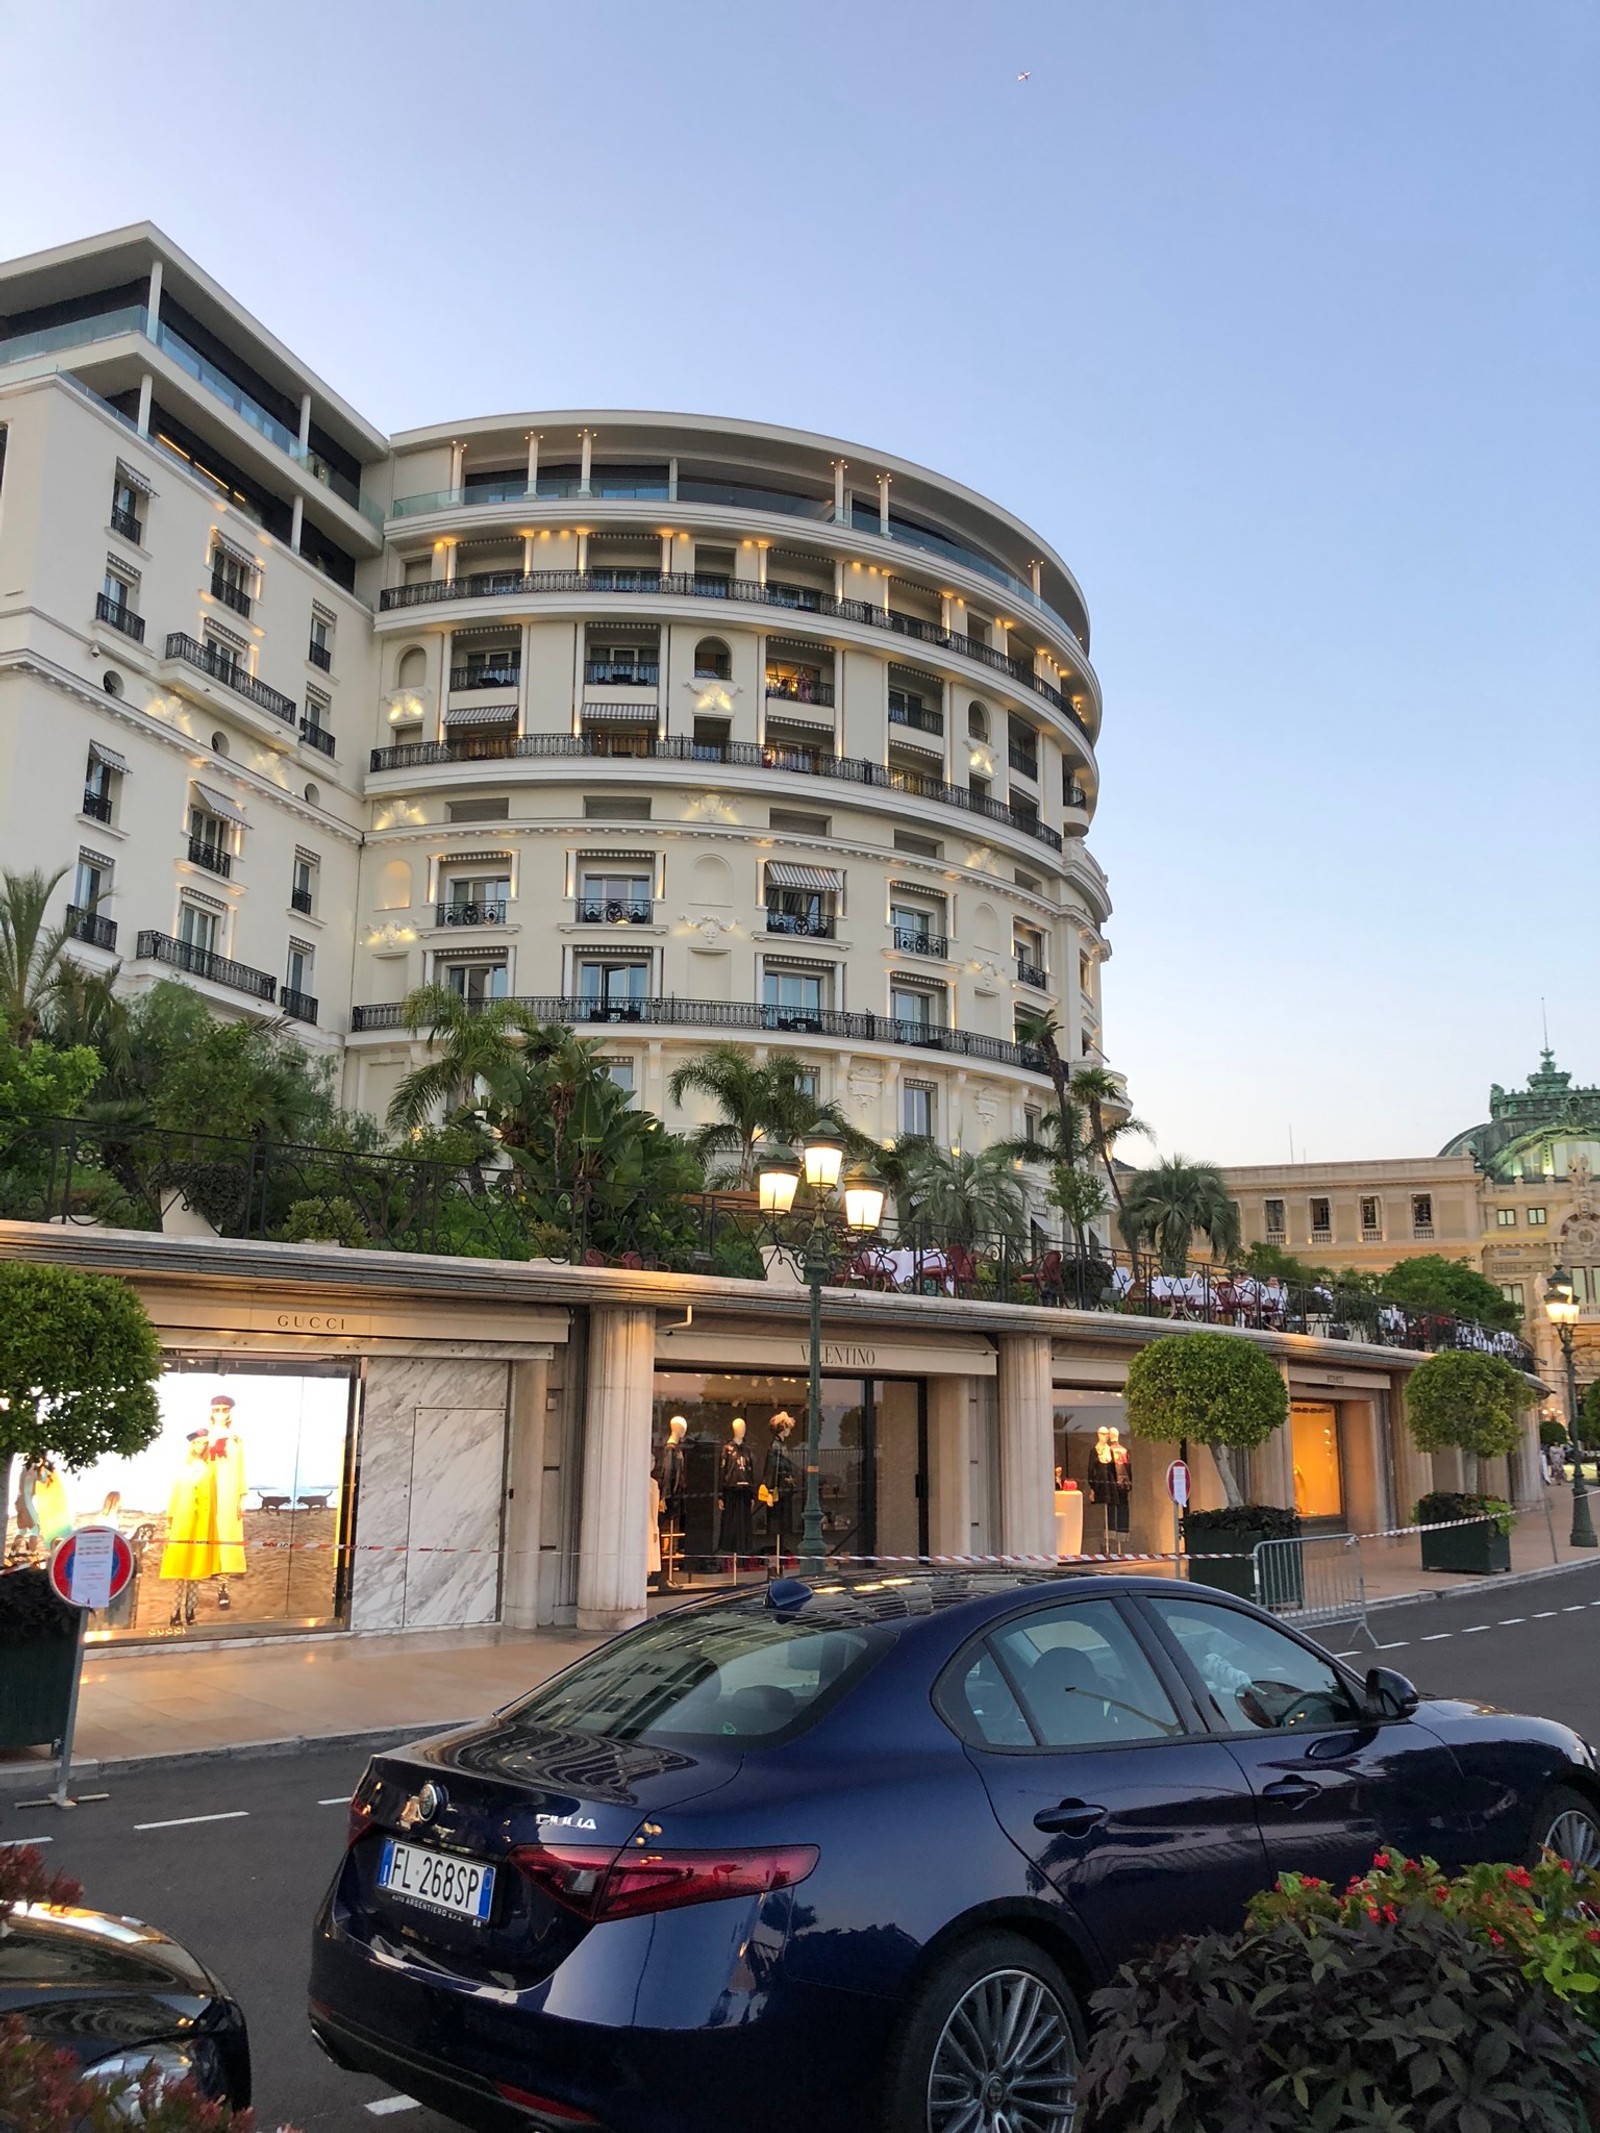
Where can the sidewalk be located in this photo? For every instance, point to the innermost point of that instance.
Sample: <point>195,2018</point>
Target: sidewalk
<point>220,1699</point>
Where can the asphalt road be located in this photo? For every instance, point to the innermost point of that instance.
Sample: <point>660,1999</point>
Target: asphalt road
<point>233,1857</point>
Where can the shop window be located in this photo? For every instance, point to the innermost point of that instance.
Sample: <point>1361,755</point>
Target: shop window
<point>1538,1217</point>
<point>1505,1217</point>
<point>236,1513</point>
<point>1314,1447</point>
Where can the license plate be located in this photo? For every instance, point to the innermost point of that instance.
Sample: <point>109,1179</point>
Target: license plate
<point>461,1888</point>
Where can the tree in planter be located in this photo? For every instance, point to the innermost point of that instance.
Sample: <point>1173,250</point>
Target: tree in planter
<point>1223,1391</point>
<point>78,1363</point>
<point>1461,1400</point>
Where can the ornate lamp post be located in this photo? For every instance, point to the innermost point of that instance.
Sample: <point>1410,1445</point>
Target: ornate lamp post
<point>1561,1308</point>
<point>820,1162</point>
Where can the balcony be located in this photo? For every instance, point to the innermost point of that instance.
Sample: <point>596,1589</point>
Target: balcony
<point>210,856</point>
<point>613,911</point>
<point>1023,760</point>
<point>317,737</point>
<point>232,676</point>
<point>503,677</point>
<point>119,616</point>
<point>1032,974</point>
<point>678,748</point>
<point>1321,1233</point>
<point>490,911</point>
<point>801,692</point>
<point>911,940</point>
<point>814,926</point>
<point>754,1015</point>
<point>126,524</point>
<point>300,900</point>
<point>97,805</point>
<point>646,584</point>
<point>614,674</point>
<point>91,927</point>
<point>229,594</point>
<point>202,963</point>
<point>320,655</point>
<point>918,717</point>
<point>301,1005</point>
<point>1422,1232</point>
<point>1073,795</point>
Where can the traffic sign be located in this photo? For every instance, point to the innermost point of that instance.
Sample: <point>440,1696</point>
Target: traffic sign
<point>1178,1483</point>
<point>90,1567</point>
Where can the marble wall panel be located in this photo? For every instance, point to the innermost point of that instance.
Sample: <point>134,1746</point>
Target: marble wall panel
<point>457,1486</point>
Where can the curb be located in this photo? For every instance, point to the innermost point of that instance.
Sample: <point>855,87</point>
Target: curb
<point>1501,1583</point>
<point>15,1777</point>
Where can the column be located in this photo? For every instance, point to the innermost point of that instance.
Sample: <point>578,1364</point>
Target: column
<point>761,561</point>
<point>666,555</point>
<point>305,418</point>
<point>530,1384</point>
<point>146,388</point>
<point>613,1539</point>
<point>152,302</point>
<point>458,460</point>
<point>586,440</point>
<point>1027,1445</point>
<point>840,507</point>
<point>1036,572</point>
<point>672,481</point>
<point>296,520</point>
<point>533,466</point>
<point>447,646</point>
<point>883,507</point>
<point>527,555</point>
<point>1413,1469</point>
<point>949,1466</point>
<point>449,562</point>
<point>838,579</point>
<point>583,553</point>
<point>524,675</point>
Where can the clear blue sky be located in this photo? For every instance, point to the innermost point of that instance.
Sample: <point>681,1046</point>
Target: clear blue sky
<point>1277,317</point>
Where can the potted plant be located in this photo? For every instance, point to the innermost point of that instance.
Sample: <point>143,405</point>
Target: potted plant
<point>1479,1549</point>
<point>1225,1392</point>
<point>1461,1400</point>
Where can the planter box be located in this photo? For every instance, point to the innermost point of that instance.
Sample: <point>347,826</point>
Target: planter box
<point>1224,1557</point>
<point>35,1683</point>
<point>1479,1550</point>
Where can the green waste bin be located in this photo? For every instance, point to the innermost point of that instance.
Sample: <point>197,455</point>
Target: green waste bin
<point>38,1647</point>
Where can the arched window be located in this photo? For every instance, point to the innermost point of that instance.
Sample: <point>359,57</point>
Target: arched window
<point>394,885</point>
<point>712,657</point>
<point>413,668</point>
<point>977,723</point>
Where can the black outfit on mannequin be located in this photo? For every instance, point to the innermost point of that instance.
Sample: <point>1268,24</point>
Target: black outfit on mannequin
<point>1111,1485</point>
<point>781,1478</point>
<point>673,1477</point>
<point>736,1485</point>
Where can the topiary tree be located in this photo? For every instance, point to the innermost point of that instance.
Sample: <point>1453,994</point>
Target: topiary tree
<point>1222,1390</point>
<point>78,1363</point>
<point>1588,1430</point>
<point>1461,1400</point>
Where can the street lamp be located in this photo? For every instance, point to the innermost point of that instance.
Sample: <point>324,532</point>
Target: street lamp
<point>820,1162</point>
<point>1561,1308</point>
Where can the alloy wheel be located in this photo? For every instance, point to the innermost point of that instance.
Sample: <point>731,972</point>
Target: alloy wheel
<point>1005,2062</point>
<point>1573,1836</point>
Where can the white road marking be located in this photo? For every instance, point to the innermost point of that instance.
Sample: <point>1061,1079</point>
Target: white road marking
<point>1439,1636</point>
<point>6,1841</point>
<point>1548,1615</point>
<point>384,2105</point>
<point>1578,1610</point>
<point>1477,1629</point>
<point>1511,1621</point>
<point>234,1814</point>
<point>1400,1647</point>
<point>340,1800</point>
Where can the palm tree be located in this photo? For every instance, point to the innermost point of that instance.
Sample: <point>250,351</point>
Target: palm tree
<point>1168,1204</point>
<point>1044,1032</point>
<point>32,953</point>
<point>959,1198</point>
<point>1104,1098</point>
<point>481,1053</point>
<point>756,1103</point>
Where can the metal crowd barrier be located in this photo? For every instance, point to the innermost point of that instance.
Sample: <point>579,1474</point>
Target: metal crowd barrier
<point>1313,1580</point>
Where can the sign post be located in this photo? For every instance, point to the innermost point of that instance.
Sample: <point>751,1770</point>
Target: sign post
<point>1178,1490</point>
<point>87,1569</point>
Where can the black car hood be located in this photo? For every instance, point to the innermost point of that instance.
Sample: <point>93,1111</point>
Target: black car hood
<point>59,1949</point>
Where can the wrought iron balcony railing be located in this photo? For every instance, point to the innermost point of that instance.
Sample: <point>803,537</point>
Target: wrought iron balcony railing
<point>210,856</point>
<point>812,926</point>
<point>97,805</point>
<point>232,675</point>
<point>120,616</point>
<point>613,910</point>
<point>202,963</point>
<point>229,594</point>
<point>320,655</point>
<point>1031,973</point>
<point>126,524</point>
<point>911,940</point>
<point>301,1005</point>
<point>91,927</point>
<point>486,911</point>
<point>316,736</point>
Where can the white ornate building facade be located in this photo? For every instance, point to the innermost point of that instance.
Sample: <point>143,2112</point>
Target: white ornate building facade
<point>684,729</point>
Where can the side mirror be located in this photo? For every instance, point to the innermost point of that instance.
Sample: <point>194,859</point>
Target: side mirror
<point>1389,1695</point>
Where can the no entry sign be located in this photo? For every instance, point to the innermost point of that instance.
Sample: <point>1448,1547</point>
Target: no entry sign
<point>90,1567</point>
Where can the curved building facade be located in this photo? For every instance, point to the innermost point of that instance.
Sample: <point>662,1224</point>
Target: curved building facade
<point>682,729</point>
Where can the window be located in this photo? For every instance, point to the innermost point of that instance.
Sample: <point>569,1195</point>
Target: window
<point>917,1108</point>
<point>198,928</point>
<point>1253,1677</point>
<point>315,727</point>
<point>494,666</point>
<point>91,885</point>
<point>494,809</point>
<point>303,883</point>
<point>922,1006</point>
<point>608,664</point>
<point>1506,1217</point>
<point>1027,944</point>
<point>209,841</point>
<point>806,1083</point>
<point>1538,1217</point>
<point>797,996</point>
<point>475,900</point>
<point>1022,750</point>
<point>616,807</point>
<point>127,498</point>
<point>711,659</point>
<point>619,1072</point>
<point>1422,1214</point>
<point>320,649</point>
<point>233,579</point>
<point>1081,1680</point>
<point>1512,1292</point>
<point>612,983</point>
<point>617,899</point>
<point>299,967</point>
<point>474,981</point>
<point>1321,1214</point>
<point>419,569</point>
<point>1025,881</point>
<point>101,780</point>
<point>918,847</point>
<point>1274,1215</point>
<point>1371,1217</point>
<point>1030,1124</point>
<point>977,723</point>
<point>798,824</point>
<point>121,590</point>
<point>228,655</point>
<point>917,929</point>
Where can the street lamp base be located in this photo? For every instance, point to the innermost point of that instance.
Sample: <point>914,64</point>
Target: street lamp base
<point>1583,1534</point>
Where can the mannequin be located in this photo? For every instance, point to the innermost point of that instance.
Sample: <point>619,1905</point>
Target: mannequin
<point>226,1454</point>
<point>780,1489</point>
<point>673,1477</point>
<point>1111,1480</point>
<point>736,1487</point>
<point>191,1553</point>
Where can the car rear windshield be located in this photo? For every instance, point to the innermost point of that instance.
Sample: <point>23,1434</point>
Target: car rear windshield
<point>732,1676</point>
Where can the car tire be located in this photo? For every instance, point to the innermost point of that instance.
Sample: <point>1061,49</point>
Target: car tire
<point>1568,1822</point>
<point>996,2024</point>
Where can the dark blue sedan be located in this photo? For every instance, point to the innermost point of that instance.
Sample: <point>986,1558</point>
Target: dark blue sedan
<point>854,1855</point>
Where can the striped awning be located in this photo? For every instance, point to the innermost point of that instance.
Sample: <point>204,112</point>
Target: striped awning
<point>589,859</point>
<point>916,888</point>
<point>218,803</point>
<point>240,555</point>
<point>458,715</point>
<point>134,478</point>
<point>788,874</point>
<point>109,756</point>
<point>789,721</point>
<point>929,755</point>
<point>620,714</point>
<point>478,859</point>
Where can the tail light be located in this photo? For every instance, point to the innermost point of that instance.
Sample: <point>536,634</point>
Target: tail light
<point>566,2114</point>
<point>600,1883</point>
<point>360,1818</point>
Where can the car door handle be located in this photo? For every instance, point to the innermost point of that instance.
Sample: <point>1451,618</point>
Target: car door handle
<point>1294,1791</point>
<point>1073,1818</point>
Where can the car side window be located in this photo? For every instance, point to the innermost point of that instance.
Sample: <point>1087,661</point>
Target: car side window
<point>984,1708</point>
<point>1254,1677</point>
<point>1082,1679</point>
